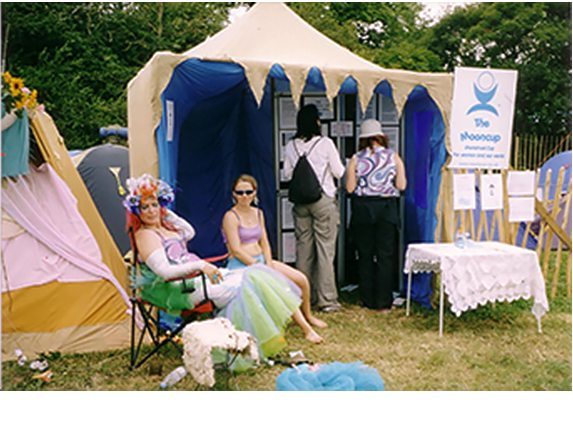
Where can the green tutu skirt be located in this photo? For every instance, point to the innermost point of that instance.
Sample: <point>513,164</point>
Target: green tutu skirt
<point>174,296</point>
<point>256,299</point>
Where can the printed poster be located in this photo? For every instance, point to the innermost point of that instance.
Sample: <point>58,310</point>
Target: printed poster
<point>521,209</point>
<point>323,105</point>
<point>464,191</point>
<point>520,183</point>
<point>482,117</point>
<point>289,247</point>
<point>491,192</point>
<point>287,113</point>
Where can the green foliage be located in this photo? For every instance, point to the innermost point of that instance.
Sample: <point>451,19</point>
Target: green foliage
<point>384,33</point>
<point>81,56</point>
<point>533,38</point>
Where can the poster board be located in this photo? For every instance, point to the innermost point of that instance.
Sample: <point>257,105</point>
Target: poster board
<point>481,124</point>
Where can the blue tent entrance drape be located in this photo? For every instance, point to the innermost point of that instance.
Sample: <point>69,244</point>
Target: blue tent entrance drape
<point>425,156</point>
<point>218,133</point>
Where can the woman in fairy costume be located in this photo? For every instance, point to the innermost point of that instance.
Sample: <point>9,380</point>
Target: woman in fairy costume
<point>257,300</point>
<point>245,235</point>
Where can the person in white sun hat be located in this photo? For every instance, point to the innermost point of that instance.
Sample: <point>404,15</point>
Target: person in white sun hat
<point>375,176</point>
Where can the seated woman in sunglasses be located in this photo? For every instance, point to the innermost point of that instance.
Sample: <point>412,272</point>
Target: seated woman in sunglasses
<point>246,238</point>
<point>256,300</point>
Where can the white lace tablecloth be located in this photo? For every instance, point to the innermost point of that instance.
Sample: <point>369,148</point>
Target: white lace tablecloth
<point>483,272</point>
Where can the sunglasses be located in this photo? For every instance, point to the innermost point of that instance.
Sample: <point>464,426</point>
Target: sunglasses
<point>244,192</point>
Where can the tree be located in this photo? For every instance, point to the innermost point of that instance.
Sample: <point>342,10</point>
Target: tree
<point>80,56</point>
<point>384,33</point>
<point>533,38</point>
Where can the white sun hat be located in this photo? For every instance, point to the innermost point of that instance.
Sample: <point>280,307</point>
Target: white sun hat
<point>370,128</point>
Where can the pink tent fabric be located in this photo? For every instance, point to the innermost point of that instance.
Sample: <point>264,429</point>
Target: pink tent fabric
<point>57,243</point>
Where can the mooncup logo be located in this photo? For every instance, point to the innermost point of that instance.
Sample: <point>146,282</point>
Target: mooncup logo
<point>485,88</point>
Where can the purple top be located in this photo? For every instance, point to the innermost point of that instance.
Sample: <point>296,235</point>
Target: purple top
<point>176,249</point>
<point>247,235</point>
<point>376,172</point>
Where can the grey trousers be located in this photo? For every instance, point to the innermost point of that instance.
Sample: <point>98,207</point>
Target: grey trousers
<point>316,230</point>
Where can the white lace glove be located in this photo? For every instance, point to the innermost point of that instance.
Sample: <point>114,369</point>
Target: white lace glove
<point>183,227</point>
<point>158,263</point>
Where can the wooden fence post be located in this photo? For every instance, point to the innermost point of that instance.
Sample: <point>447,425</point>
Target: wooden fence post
<point>554,214</point>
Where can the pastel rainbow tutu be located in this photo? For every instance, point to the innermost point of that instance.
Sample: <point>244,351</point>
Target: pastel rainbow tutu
<point>262,306</point>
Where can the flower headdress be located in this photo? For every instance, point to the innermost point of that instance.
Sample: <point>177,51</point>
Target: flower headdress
<point>16,96</point>
<point>143,187</point>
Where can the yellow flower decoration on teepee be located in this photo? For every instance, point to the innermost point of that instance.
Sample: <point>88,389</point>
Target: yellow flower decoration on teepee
<point>15,96</point>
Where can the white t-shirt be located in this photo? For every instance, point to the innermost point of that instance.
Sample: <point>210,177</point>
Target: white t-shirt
<point>324,160</point>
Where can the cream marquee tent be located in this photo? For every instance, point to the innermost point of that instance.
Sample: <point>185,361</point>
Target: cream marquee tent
<point>269,34</point>
<point>201,118</point>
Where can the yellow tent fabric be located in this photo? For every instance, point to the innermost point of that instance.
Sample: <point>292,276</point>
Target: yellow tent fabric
<point>270,33</point>
<point>75,317</point>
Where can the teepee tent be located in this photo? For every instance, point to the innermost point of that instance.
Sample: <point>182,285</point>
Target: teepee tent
<point>63,278</point>
<point>201,118</point>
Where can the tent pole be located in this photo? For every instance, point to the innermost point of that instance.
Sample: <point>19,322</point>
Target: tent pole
<point>276,144</point>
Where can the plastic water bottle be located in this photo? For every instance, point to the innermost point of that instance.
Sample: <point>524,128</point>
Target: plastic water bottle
<point>469,242</point>
<point>460,240</point>
<point>173,377</point>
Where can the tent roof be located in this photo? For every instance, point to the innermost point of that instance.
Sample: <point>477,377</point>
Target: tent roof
<point>269,34</point>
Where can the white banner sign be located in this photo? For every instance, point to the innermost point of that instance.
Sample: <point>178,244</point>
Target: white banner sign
<point>482,117</point>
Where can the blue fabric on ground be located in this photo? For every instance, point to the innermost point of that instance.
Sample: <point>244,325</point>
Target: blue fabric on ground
<point>336,376</point>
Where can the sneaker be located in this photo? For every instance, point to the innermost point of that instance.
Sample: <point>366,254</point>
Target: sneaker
<point>398,301</point>
<point>332,308</point>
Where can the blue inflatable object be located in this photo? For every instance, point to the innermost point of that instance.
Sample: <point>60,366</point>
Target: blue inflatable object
<point>336,376</point>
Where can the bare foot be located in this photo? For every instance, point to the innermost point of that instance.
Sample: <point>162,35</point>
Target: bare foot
<point>313,337</point>
<point>315,322</point>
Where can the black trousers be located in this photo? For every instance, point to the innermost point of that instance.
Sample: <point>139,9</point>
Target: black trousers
<point>375,228</point>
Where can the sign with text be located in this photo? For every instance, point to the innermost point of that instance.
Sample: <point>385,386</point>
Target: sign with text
<point>482,117</point>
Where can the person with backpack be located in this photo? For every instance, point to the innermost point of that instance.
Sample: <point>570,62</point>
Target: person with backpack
<point>375,177</point>
<point>311,164</point>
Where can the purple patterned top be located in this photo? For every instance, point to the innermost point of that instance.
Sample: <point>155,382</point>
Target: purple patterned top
<point>176,249</point>
<point>375,173</point>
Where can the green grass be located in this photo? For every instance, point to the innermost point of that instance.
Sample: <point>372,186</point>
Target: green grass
<point>495,347</point>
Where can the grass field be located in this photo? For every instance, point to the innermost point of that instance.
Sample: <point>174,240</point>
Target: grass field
<point>495,347</point>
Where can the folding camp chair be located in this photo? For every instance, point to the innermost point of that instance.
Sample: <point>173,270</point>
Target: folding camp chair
<point>150,315</point>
